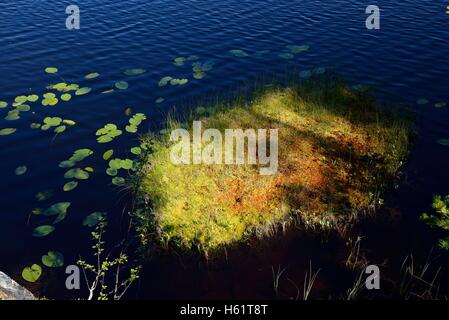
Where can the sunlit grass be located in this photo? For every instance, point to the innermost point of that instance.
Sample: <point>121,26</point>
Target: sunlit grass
<point>337,153</point>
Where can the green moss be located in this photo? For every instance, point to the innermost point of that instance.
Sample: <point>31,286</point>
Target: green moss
<point>337,152</point>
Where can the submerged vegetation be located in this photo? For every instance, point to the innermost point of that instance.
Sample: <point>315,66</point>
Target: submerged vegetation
<point>337,152</point>
<point>440,219</point>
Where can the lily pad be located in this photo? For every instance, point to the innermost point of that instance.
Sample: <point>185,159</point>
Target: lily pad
<point>23,108</point>
<point>32,274</point>
<point>76,173</point>
<point>44,195</point>
<point>66,97</point>
<point>118,181</point>
<point>444,142</point>
<point>3,104</point>
<point>82,91</point>
<point>108,133</point>
<point>60,129</point>
<point>238,53</point>
<point>108,154</point>
<point>440,104</point>
<point>51,70</point>
<point>57,209</point>
<point>43,231</point>
<point>20,170</point>
<point>121,85</point>
<point>179,61</point>
<point>93,219</point>
<point>7,131</point>
<point>69,186</point>
<point>49,99</point>
<point>136,150</point>
<point>164,81</point>
<point>13,115</point>
<point>111,172</point>
<point>92,75</point>
<point>134,72</point>
<point>53,259</point>
<point>33,97</point>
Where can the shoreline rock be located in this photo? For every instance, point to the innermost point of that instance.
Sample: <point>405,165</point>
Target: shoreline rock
<point>11,290</point>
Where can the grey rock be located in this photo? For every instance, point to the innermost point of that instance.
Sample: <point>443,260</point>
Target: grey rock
<point>11,290</point>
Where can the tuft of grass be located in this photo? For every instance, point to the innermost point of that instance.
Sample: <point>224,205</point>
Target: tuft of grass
<point>338,150</point>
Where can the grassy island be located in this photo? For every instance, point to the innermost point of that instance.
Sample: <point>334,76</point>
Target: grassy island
<point>338,150</point>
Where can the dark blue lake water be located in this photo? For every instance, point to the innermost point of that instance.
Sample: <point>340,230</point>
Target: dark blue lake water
<point>407,59</point>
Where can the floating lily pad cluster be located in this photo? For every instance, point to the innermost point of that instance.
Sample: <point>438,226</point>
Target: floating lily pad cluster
<point>180,61</point>
<point>199,69</point>
<point>53,259</point>
<point>108,133</point>
<point>115,165</point>
<point>134,122</point>
<point>57,122</point>
<point>173,81</point>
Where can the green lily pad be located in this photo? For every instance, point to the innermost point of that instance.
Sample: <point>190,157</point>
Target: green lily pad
<point>66,97</point>
<point>52,121</point>
<point>69,122</point>
<point>69,186</point>
<point>7,131</point>
<point>53,259</point>
<point>440,104</point>
<point>136,150</point>
<point>238,53</point>
<point>43,231</point>
<point>82,91</point>
<point>3,104</point>
<point>111,172</point>
<point>81,154</point>
<point>108,154</point>
<point>89,169</point>
<point>164,81</point>
<point>13,115</point>
<point>118,181</point>
<point>57,209</point>
<point>76,173</point>
<point>444,142</point>
<point>49,99</point>
<point>32,274</point>
<point>134,72</point>
<point>121,85</point>
<point>23,108</point>
<point>92,75</point>
<point>179,61</point>
<point>33,97</point>
<point>51,70</point>
<point>115,164</point>
<point>175,82</point>
<point>35,125</point>
<point>199,75</point>
<point>93,219</point>
<point>44,195</point>
<point>20,170</point>
<point>108,133</point>
<point>60,129</point>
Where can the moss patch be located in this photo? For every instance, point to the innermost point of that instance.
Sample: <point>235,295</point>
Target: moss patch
<point>337,152</point>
